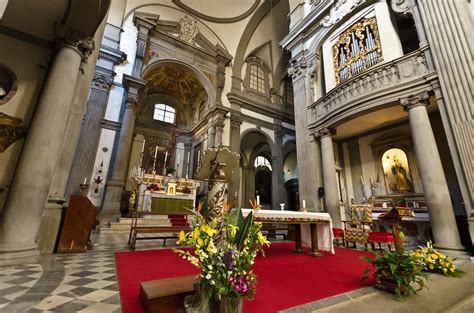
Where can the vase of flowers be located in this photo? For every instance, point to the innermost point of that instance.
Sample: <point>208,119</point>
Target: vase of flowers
<point>396,272</point>
<point>223,248</point>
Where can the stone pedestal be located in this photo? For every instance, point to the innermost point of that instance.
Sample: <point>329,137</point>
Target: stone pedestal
<point>331,198</point>
<point>48,231</point>
<point>443,222</point>
<point>31,183</point>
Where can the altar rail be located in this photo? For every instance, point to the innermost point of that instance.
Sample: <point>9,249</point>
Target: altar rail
<point>377,86</point>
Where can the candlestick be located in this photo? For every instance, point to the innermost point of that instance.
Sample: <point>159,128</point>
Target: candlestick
<point>258,200</point>
<point>156,151</point>
<point>362,180</point>
<point>85,180</point>
<point>304,203</point>
<point>282,205</point>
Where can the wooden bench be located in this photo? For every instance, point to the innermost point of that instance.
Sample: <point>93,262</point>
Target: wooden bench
<point>166,295</point>
<point>136,229</point>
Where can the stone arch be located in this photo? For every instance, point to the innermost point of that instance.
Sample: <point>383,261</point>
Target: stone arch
<point>200,76</point>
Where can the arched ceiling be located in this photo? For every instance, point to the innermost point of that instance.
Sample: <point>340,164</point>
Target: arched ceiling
<point>177,81</point>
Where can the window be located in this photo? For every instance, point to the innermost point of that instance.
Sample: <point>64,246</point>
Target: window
<point>257,78</point>
<point>358,48</point>
<point>262,161</point>
<point>288,100</point>
<point>164,113</point>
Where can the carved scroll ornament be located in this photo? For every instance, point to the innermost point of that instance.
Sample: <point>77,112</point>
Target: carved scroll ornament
<point>10,131</point>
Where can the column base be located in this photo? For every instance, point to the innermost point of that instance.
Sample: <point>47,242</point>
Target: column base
<point>49,231</point>
<point>455,252</point>
<point>111,207</point>
<point>16,254</point>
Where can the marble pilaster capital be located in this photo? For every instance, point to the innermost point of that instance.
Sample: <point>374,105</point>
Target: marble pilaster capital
<point>76,40</point>
<point>236,120</point>
<point>302,67</point>
<point>102,81</point>
<point>412,101</point>
<point>279,133</point>
<point>402,7</point>
<point>218,124</point>
<point>131,102</point>
<point>325,132</point>
<point>211,130</point>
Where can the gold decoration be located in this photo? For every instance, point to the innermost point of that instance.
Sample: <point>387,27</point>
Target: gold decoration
<point>345,39</point>
<point>10,130</point>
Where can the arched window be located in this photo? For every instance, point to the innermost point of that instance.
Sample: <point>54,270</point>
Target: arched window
<point>262,161</point>
<point>164,113</point>
<point>358,48</point>
<point>257,78</point>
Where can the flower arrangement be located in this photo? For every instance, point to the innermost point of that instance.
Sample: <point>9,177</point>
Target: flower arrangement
<point>224,248</point>
<point>431,260</point>
<point>395,272</point>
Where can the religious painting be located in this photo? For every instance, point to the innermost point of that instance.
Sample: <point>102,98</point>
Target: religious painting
<point>396,171</point>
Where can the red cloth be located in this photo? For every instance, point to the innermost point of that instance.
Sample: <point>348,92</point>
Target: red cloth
<point>338,232</point>
<point>285,279</point>
<point>381,237</point>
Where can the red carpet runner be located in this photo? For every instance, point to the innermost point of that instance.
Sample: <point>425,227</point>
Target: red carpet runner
<point>284,279</point>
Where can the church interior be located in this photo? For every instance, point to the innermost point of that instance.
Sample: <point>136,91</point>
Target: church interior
<point>329,128</point>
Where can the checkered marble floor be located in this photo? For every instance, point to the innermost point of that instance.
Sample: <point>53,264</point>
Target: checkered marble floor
<point>81,282</point>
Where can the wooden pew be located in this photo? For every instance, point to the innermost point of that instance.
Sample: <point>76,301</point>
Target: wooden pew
<point>136,229</point>
<point>166,295</point>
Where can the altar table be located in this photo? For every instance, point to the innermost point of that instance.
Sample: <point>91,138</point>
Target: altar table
<point>313,229</point>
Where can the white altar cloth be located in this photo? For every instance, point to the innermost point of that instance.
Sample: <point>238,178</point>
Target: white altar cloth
<point>324,230</point>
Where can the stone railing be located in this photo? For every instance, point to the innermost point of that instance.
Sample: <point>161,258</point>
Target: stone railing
<point>375,86</point>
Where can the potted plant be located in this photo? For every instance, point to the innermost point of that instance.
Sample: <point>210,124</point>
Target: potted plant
<point>396,272</point>
<point>223,248</point>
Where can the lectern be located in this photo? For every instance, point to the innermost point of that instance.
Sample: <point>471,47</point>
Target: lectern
<point>395,216</point>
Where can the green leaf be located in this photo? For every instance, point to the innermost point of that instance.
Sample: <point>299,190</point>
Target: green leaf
<point>243,231</point>
<point>393,268</point>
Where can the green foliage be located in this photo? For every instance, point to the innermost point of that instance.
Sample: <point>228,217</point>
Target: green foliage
<point>399,269</point>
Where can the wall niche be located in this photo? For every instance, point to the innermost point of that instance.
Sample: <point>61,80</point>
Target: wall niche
<point>8,84</point>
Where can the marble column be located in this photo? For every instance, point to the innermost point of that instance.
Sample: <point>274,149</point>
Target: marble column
<point>211,137</point>
<point>443,222</point>
<point>278,188</point>
<point>235,122</point>
<point>218,126</point>
<point>116,185</point>
<point>331,198</point>
<point>30,186</point>
<point>300,71</point>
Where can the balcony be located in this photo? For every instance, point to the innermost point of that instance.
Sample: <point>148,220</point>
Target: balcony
<point>380,86</point>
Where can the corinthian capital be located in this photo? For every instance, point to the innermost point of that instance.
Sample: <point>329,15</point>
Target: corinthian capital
<point>414,101</point>
<point>75,39</point>
<point>302,67</point>
<point>325,132</point>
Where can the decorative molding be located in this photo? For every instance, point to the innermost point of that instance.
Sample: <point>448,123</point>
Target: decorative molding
<point>278,131</point>
<point>209,18</point>
<point>403,7</point>
<point>340,9</point>
<point>112,55</point>
<point>416,100</point>
<point>10,130</point>
<point>236,119</point>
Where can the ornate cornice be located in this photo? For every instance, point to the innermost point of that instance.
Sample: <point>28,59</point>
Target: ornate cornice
<point>10,130</point>
<point>75,39</point>
<point>416,100</point>
<point>114,56</point>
